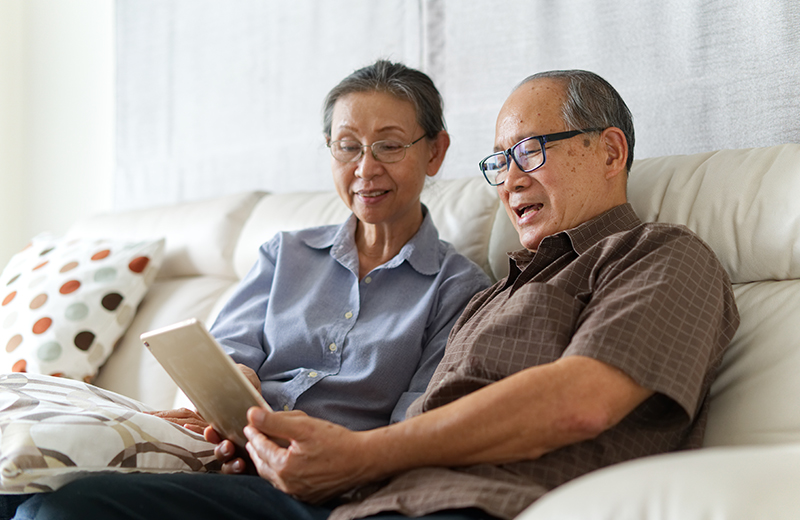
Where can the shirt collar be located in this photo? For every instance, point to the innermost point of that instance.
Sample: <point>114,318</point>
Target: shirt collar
<point>421,252</point>
<point>580,238</point>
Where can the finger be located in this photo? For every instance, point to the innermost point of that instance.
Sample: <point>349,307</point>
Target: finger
<point>225,451</point>
<point>212,435</point>
<point>234,467</point>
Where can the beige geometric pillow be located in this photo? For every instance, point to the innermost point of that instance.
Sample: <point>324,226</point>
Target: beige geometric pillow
<point>65,303</point>
<point>55,430</point>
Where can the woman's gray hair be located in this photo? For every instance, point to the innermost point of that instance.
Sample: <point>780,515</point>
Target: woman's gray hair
<point>591,103</point>
<point>398,80</point>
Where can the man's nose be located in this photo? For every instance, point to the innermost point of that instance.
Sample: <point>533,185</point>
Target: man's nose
<point>516,179</point>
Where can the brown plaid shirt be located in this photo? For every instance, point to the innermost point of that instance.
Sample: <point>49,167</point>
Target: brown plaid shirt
<point>650,299</point>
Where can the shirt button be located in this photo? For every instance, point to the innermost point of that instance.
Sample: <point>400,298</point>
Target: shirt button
<point>312,374</point>
<point>367,279</point>
<point>332,347</point>
<point>286,408</point>
<point>348,315</point>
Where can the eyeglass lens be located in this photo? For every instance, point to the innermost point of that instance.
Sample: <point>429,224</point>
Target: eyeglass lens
<point>383,151</point>
<point>527,154</point>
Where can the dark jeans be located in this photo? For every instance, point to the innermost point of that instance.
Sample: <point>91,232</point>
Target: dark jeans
<point>193,496</point>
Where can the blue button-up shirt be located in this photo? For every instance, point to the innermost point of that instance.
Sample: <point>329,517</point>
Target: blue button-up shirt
<point>354,352</point>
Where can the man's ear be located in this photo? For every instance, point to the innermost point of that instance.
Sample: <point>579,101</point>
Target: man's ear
<point>615,146</point>
<point>438,150</point>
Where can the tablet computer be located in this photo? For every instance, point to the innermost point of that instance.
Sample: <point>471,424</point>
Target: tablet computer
<point>207,375</point>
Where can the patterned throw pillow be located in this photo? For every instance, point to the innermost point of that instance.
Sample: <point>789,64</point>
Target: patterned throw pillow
<point>65,303</point>
<point>54,430</point>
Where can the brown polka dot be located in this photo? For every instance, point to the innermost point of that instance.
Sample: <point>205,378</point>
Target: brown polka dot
<point>46,251</point>
<point>68,267</point>
<point>40,265</point>
<point>13,279</point>
<point>69,287</point>
<point>20,366</point>
<point>38,301</point>
<point>9,297</point>
<point>139,264</point>
<point>111,301</point>
<point>101,254</point>
<point>83,340</point>
<point>42,325</point>
<point>13,343</point>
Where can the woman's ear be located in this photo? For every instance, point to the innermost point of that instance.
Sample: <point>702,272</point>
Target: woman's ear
<point>438,149</point>
<point>615,146</point>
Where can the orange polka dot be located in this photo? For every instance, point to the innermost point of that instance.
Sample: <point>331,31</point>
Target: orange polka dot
<point>139,264</point>
<point>68,267</point>
<point>69,287</point>
<point>42,325</point>
<point>20,366</point>
<point>40,265</point>
<point>8,298</point>
<point>101,254</point>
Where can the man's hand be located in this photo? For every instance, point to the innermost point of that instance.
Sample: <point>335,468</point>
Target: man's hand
<point>320,460</point>
<point>189,419</point>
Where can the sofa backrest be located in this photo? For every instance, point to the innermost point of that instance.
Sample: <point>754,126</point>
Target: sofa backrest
<point>467,214</point>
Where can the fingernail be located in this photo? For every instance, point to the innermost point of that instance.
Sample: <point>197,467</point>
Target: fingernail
<point>257,414</point>
<point>238,465</point>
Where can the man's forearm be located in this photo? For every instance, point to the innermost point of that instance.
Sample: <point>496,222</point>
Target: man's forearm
<point>518,418</point>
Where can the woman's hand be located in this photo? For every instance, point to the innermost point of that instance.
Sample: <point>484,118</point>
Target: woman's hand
<point>251,376</point>
<point>189,419</point>
<point>233,461</point>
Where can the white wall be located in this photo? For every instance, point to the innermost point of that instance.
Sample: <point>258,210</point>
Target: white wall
<point>57,81</point>
<point>217,97</point>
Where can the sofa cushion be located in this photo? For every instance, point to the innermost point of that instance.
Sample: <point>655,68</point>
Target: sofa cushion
<point>54,430</point>
<point>200,236</point>
<point>753,398</point>
<point>743,203</point>
<point>66,302</point>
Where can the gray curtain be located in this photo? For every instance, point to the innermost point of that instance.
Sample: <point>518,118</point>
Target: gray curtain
<point>222,96</point>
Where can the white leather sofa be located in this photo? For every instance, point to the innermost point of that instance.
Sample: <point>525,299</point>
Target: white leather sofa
<point>744,203</point>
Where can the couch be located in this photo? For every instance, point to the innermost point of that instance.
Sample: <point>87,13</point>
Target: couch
<point>744,203</point>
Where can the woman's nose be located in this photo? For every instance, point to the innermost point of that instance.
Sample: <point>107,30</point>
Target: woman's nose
<point>367,166</point>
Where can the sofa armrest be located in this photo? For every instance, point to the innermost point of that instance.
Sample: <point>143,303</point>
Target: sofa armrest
<point>731,483</point>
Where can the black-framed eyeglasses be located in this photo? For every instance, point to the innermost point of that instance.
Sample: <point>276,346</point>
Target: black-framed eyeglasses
<point>528,154</point>
<point>386,151</point>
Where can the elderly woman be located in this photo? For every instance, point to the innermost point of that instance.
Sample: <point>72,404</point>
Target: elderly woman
<point>345,323</point>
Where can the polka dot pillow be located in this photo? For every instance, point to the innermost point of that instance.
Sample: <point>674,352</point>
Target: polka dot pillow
<point>65,303</point>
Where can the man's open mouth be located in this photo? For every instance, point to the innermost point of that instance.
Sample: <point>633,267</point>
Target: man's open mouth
<point>526,209</point>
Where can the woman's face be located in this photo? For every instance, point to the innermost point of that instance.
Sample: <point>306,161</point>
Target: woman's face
<point>378,193</point>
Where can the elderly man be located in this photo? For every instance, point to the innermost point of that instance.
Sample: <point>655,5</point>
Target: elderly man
<point>599,347</point>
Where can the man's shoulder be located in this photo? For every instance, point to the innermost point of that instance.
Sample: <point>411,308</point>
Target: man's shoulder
<point>663,243</point>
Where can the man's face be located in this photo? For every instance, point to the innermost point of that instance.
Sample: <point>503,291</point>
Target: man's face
<point>570,187</point>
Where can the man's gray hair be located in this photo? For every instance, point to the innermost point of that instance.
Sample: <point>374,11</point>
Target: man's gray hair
<point>591,103</point>
<point>398,80</point>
